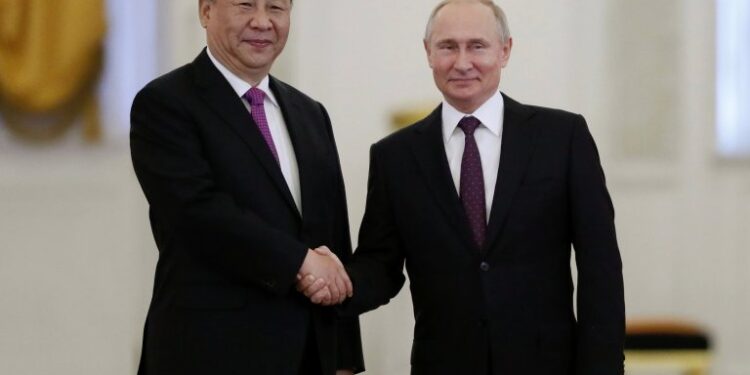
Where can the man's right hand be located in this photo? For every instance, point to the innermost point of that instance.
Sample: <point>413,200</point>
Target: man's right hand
<point>322,277</point>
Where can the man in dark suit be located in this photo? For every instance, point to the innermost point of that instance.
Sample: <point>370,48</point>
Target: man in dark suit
<point>482,200</point>
<point>243,179</point>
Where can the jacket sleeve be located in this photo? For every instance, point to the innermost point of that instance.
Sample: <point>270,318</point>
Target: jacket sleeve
<point>601,306</point>
<point>377,266</point>
<point>349,342</point>
<point>193,213</point>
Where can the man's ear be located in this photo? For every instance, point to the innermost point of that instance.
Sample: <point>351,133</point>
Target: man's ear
<point>427,50</point>
<point>505,52</point>
<point>204,11</point>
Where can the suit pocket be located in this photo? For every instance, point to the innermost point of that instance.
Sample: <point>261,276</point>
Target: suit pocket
<point>539,195</point>
<point>556,342</point>
<point>211,297</point>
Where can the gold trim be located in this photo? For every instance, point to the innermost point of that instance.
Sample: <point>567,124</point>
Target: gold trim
<point>407,116</point>
<point>695,361</point>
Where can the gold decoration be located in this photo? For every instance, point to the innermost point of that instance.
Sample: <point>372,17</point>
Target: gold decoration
<point>407,116</point>
<point>50,59</point>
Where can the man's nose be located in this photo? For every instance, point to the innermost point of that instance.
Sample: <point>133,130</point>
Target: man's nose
<point>463,61</point>
<point>260,20</point>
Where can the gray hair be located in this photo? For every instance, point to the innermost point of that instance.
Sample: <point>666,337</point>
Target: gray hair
<point>502,22</point>
<point>211,1</point>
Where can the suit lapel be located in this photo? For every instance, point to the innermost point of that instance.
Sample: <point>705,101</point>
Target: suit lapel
<point>515,154</point>
<point>429,150</point>
<point>218,94</point>
<point>302,141</point>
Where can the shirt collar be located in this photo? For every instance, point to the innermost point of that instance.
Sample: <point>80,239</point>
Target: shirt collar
<point>490,114</point>
<point>239,85</point>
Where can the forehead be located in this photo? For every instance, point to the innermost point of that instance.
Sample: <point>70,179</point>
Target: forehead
<point>465,20</point>
<point>249,1</point>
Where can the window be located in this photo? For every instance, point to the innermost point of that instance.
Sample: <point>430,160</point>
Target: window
<point>733,78</point>
<point>131,60</point>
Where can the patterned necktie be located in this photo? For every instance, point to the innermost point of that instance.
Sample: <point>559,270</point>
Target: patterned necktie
<point>255,97</point>
<point>472,182</point>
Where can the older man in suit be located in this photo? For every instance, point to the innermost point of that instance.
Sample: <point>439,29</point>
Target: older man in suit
<point>482,200</point>
<point>243,179</point>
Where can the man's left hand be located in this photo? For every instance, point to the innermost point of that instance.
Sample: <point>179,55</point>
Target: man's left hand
<point>344,372</point>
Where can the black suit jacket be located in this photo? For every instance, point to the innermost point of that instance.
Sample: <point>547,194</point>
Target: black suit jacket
<point>506,309</point>
<point>230,237</point>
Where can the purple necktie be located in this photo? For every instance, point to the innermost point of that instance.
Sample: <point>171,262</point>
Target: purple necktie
<point>255,97</point>
<point>472,182</point>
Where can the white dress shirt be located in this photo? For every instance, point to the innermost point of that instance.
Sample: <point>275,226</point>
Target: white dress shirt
<point>279,131</point>
<point>488,136</point>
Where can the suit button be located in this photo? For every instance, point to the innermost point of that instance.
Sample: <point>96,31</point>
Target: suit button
<point>483,322</point>
<point>484,266</point>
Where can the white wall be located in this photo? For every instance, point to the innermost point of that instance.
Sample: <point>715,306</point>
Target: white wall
<point>76,256</point>
<point>76,264</point>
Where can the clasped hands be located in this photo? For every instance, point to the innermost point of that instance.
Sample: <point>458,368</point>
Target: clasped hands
<point>323,279</point>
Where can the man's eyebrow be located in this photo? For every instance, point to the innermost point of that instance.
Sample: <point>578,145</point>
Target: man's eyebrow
<point>446,40</point>
<point>453,40</point>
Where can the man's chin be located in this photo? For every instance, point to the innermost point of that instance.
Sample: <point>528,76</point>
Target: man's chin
<point>463,95</point>
<point>257,63</point>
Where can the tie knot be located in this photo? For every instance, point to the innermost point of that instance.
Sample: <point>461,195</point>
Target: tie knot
<point>468,124</point>
<point>255,96</point>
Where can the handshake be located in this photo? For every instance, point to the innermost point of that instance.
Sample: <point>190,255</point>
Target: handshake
<point>322,278</point>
